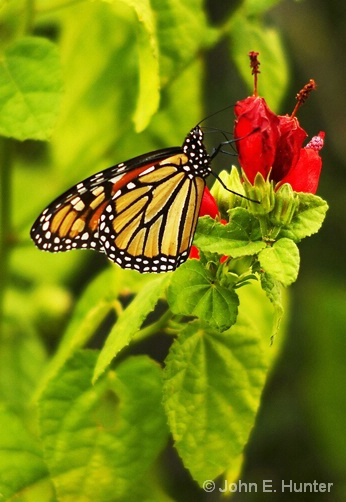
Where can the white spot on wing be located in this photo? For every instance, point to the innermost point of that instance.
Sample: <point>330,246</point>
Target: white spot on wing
<point>147,171</point>
<point>116,179</point>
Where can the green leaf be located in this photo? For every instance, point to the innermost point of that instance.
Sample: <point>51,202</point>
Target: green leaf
<point>22,360</point>
<point>130,321</point>
<point>240,237</point>
<point>24,474</point>
<point>212,388</point>
<point>100,61</point>
<point>182,31</point>
<point>281,261</point>
<point>256,308</point>
<point>149,77</point>
<point>184,92</point>
<point>149,489</point>
<point>96,302</point>
<point>30,89</point>
<point>250,34</point>
<point>273,290</point>
<point>308,218</point>
<point>92,448</point>
<point>193,292</point>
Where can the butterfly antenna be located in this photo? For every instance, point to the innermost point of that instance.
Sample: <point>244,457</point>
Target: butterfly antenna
<point>218,149</point>
<point>210,129</point>
<point>232,191</point>
<point>215,113</point>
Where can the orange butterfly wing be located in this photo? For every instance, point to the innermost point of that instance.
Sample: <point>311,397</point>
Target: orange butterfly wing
<point>142,213</point>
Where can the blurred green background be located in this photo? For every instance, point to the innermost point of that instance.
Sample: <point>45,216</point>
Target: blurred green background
<point>300,431</point>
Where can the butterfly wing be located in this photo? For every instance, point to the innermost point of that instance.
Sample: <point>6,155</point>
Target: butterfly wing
<point>150,223</point>
<point>142,213</point>
<point>71,221</point>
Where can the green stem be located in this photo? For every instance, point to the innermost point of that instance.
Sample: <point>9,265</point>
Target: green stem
<point>264,225</point>
<point>153,328</point>
<point>5,217</point>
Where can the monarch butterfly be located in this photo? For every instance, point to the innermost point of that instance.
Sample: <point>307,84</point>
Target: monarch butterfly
<point>141,213</point>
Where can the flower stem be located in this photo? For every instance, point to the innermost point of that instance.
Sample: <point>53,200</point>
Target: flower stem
<point>264,225</point>
<point>153,328</point>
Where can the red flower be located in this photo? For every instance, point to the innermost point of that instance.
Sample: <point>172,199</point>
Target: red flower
<point>273,144</point>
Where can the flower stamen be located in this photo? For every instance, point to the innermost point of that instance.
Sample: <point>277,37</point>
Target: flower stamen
<point>303,95</point>
<point>254,65</point>
<point>316,143</point>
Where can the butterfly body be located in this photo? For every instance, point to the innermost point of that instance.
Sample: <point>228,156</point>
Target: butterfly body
<point>142,213</point>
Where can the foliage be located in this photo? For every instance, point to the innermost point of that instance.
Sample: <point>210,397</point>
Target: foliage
<point>105,81</point>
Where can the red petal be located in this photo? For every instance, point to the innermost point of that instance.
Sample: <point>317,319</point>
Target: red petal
<point>257,132</point>
<point>304,177</point>
<point>208,206</point>
<point>288,147</point>
<point>194,253</point>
